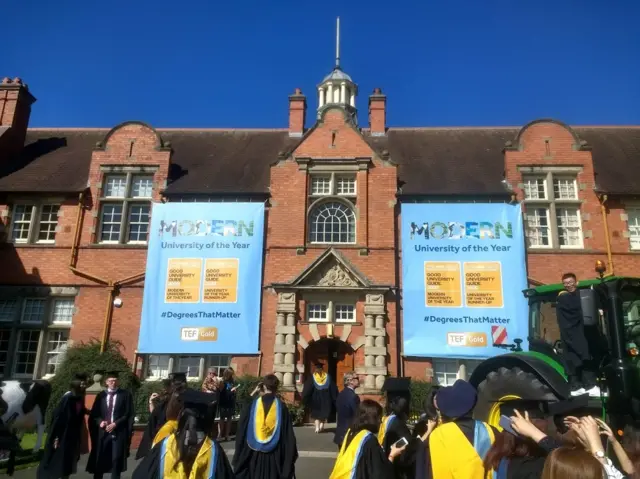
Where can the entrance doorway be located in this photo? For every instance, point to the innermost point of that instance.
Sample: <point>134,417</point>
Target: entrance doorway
<point>337,358</point>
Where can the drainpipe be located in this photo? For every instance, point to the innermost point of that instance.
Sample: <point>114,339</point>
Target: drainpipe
<point>603,209</point>
<point>107,318</point>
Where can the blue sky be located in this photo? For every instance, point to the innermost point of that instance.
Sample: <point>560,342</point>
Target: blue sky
<point>207,63</point>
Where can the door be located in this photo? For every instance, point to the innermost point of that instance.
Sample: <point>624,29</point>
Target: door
<point>344,363</point>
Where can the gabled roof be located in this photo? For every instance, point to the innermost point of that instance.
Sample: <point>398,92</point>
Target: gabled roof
<point>431,161</point>
<point>331,270</point>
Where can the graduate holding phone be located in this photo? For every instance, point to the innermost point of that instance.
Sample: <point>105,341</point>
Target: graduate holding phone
<point>393,432</point>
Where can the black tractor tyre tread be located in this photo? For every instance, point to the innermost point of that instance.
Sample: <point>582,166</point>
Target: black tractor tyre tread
<point>514,381</point>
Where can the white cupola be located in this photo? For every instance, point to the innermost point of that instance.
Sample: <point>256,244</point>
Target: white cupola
<point>337,88</point>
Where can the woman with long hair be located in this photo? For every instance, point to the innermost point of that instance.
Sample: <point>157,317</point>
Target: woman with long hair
<point>189,452</point>
<point>361,456</point>
<point>157,417</point>
<point>521,452</point>
<point>393,427</point>
<point>572,463</point>
<point>227,404</point>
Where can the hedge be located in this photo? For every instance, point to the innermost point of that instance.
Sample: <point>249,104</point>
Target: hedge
<point>419,392</point>
<point>87,358</point>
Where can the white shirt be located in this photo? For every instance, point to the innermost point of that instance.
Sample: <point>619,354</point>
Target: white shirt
<point>611,471</point>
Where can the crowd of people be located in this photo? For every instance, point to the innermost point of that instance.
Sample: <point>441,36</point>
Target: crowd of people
<point>374,442</point>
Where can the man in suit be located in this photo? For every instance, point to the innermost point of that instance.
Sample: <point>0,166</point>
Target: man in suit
<point>110,428</point>
<point>346,405</point>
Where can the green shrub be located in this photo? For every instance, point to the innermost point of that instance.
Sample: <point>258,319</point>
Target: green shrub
<point>87,358</point>
<point>419,392</point>
<point>296,411</point>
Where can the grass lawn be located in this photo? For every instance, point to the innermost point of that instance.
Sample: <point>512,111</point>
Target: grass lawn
<point>26,458</point>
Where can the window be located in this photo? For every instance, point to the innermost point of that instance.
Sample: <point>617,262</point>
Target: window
<point>330,312</point>
<point>345,313</point>
<point>160,366</point>
<point>30,345</point>
<point>56,348</point>
<point>332,222</point>
<point>552,211</point>
<point>126,209</point>
<point>447,371</point>
<point>157,366</point>
<point>34,223</point>
<point>633,219</point>
<point>333,184</point>
<point>317,313</point>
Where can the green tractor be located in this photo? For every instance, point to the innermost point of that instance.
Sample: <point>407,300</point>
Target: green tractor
<point>611,310</point>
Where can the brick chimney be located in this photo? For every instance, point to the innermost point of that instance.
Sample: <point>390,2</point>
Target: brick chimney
<point>15,110</point>
<point>297,113</point>
<point>378,113</point>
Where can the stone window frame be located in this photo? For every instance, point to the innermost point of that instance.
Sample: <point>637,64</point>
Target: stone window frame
<point>126,201</point>
<point>206,361</point>
<point>330,317</point>
<point>552,204</point>
<point>45,328</point>
<point>36,205</point>
<point>325,200</point>
<point>632,209</point>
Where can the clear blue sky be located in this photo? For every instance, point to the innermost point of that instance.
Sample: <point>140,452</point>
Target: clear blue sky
<point>213,63</point>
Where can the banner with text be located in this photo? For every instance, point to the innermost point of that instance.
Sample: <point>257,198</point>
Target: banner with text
<point>463,272</point>
<point>203,282</point>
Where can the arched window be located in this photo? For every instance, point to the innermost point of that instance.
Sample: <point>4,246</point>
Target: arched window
<point>332,222</point>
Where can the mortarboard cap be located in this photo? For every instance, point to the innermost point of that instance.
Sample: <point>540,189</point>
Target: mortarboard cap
<point>112,374</point>
<point>203,403</point>
<point>178,377</point>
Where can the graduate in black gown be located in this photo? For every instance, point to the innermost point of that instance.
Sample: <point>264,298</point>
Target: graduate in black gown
<point>189,452</point>
<point>392,429</point>
<point>319,395</point>
<point>110,428</point>
<point>576,351</point>
<point>157,417</point>
<point>64,439</point>
<point>361,456</point>
<point>265,443</point>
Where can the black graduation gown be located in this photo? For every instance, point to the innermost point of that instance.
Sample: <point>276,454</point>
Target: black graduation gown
<point>404,465</point>
<point>277,464</point>
<point>319,401</point>
<point>157,418</point>
<point>346,406</point>
<point>149,467</point>
<point>572,332</point>
<point>373,463</point>
<point>109,451</point>
<point>66,426</point>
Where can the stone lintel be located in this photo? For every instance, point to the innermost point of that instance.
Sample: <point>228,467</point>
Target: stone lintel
<point>303,343</point>
<point>284,348</point>
<point>346,331</point>
<point>369,391</point>
<point>374,309</point>
<point>372,370</point>
<point>284,368</point>
<point>313,329</point>
<point>358,343</point>
<point>375,332</point>
<point>285,330</point>
<point>375,351</point>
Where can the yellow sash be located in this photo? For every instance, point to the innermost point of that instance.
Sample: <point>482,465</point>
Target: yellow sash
<point>320,378</point>
<point>348,457</point>
<point>265,425</point>
<point>203,467</point>
<point>165,431</point>
<point>384,425</point>
<point>453,456</point>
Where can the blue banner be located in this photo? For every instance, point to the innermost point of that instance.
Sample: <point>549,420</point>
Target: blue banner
<point>463,272</point>
<point>203,282</point>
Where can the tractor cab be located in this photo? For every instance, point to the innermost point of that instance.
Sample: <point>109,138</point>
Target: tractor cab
<point>611,314</point>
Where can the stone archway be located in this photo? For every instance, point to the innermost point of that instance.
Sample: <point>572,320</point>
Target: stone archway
<point>337,356</point>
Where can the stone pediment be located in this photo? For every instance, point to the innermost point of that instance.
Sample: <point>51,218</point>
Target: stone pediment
<point>331,270</point>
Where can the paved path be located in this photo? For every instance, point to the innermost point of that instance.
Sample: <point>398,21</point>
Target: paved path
<point>317,453</point>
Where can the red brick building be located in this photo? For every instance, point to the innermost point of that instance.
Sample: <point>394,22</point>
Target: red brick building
<point>75,207</point>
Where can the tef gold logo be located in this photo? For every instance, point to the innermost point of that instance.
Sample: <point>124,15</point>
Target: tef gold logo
<point>469,340</point>
<point>199,334</point>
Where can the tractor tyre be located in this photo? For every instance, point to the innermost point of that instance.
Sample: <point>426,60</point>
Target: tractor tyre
<point>504,384</point>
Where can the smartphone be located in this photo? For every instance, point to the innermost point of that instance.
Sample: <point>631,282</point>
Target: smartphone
<point>400,443</point>
<point>505,423</point>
